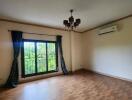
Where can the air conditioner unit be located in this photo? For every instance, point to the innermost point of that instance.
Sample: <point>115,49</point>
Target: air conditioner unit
<point>108,30</point>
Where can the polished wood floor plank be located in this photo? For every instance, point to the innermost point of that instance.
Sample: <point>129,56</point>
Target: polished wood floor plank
<point>82,85</point>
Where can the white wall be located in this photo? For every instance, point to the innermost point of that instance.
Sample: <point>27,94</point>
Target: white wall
<point>111,53</point>
<point>76,47</point>
<point>6,51</point>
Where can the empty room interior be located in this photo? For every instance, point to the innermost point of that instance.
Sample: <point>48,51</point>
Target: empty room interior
<point>65,49</point>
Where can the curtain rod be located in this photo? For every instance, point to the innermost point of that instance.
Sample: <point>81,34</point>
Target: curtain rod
<point>33,33</point>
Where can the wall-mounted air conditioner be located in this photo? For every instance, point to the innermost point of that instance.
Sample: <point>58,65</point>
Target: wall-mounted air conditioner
<point>108,30</point>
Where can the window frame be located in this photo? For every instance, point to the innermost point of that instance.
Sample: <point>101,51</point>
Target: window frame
<point>23,75</point>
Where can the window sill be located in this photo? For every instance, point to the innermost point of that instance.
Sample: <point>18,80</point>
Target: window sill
<point>39,77</point>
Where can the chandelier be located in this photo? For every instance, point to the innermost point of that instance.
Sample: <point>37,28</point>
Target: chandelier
<point>71,23</point>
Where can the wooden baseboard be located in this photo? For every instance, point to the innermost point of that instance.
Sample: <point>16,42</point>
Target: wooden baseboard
<point>113,76</point>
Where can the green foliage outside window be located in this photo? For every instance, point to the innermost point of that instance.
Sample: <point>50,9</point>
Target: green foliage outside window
<point>46,57</point>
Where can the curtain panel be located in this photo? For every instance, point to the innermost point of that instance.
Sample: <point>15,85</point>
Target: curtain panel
<point>13,78</point>
<point>59,45</point>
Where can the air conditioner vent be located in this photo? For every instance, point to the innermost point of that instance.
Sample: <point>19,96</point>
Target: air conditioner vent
<point>108,30</point>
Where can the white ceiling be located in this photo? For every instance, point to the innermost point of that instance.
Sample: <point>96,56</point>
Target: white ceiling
<point>53,12</point>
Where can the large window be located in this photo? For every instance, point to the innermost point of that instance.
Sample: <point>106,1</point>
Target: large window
<point>38,57</point>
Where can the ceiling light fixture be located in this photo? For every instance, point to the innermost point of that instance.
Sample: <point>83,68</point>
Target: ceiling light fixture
<point>71,23</point>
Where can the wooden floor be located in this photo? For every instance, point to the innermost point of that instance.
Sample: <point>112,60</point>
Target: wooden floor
<point>82,85</point>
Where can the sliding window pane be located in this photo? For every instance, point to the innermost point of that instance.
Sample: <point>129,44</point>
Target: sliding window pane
<point>41,57</point>
<point>29,57</point>
<point>51,56</point>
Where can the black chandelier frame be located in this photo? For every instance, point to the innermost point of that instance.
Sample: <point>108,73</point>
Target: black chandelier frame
<point>71,23</point>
